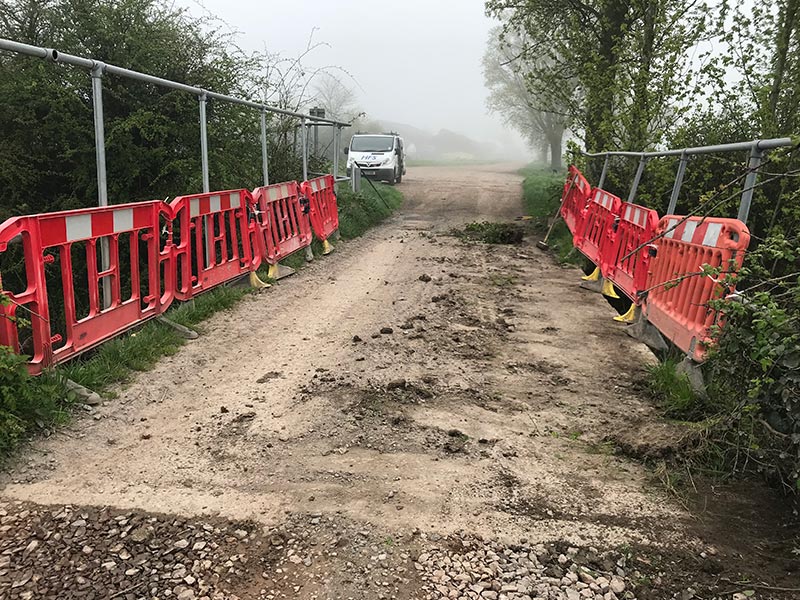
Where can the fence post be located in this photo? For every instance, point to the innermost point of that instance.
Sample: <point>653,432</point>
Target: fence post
<point>102,181</point>
<point>756,154</point>
<point>207,225</point>
<point>264,153</point>
<point>304,140</point>
<point>637,179</point>
<point>676,188</point>
<point>336,133</point>
<point>603,174</point>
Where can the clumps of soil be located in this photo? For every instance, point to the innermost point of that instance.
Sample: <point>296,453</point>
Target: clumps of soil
<point>646,440</point>
<point>491,233</point>
<point>376,419</point>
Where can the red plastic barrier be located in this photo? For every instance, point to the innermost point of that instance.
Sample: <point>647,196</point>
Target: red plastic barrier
<point>597,228</point>
<point>214,244</point>
<point>324,211</point>
<point>283,227</point>
<point>627,269</point>
<point>574,199</point>
<point>62,324</point>
<point>680,309</point>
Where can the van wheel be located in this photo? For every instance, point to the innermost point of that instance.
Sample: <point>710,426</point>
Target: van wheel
<point>399,177</point>
<point>393,178</point>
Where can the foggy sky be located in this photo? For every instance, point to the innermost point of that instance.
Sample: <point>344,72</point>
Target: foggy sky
<point>413,61</point>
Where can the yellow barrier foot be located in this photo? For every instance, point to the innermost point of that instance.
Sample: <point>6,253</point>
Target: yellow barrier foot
<point>327,247</point>
<point>608,289</point>
<point>628,317</point>
<point>595,276</point>
<point>256,283</point>
<point>279,271</point>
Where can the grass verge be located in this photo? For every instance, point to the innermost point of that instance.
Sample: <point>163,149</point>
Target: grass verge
<point>541,191</point>
<point>37,404</point>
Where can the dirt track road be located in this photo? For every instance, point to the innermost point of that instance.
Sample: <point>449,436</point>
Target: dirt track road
<point>485,411</point>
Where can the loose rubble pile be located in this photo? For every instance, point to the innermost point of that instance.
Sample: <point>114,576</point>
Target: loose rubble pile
<point>470,568</point>
<point>66,552</point>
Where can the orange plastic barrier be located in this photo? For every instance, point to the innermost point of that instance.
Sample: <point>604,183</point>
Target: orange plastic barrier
<point>574,199</point>
<point>324,211</point>
<point>678,296</point>
<point>282,221</point>
<point>635,227</point>
<point>214,243</point>
<point>597,227</point>
<point>137,284</point>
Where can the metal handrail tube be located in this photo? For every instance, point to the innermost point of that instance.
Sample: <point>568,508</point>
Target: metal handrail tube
<point>88,63</point>
<point>756,149</point>
<point>768,144</point>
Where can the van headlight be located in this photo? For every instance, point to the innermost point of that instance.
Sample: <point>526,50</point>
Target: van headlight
<point>386,161</point>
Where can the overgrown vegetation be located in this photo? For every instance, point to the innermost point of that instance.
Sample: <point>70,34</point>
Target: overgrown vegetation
<point>28,404</point>
<point>359,212</point>
<point>541,192</point>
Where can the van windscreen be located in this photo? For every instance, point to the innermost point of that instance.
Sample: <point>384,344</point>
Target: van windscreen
<point>372,143</point>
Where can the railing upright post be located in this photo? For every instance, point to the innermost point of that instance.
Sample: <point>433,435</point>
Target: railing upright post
<point>336,135</point>
<point>264,149</point>
<point>207,222</point>
<point>304,141</point>
<point>102,180</point>
<point>756,154</point>
<point>604,173</point>
<point>204,143</point>
<point>637,179</point>
<point>676,188</point>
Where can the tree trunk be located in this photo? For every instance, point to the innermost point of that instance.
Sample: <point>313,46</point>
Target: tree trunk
<point>785,29</point>
<point>641,108</point>
<point>543,147</point>
<point>601,80</point>
<point>555,139</point>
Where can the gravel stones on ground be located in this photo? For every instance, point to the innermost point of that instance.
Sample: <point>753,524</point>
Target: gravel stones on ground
<point>467,567</point>
<point>67,552</point>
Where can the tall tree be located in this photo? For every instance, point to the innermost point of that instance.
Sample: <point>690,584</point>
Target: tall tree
<point>629,60</point>
<point>511,95</point>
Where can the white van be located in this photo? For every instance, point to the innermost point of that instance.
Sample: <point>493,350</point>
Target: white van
<point>380,157</point>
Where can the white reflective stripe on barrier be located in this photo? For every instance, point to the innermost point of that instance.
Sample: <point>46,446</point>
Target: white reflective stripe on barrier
<point>712,234</point>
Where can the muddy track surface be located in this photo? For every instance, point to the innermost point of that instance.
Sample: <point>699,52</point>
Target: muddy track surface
<point>410,417</point>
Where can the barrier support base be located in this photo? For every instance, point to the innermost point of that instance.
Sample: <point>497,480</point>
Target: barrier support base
<point>327,247</point>
<point>593,282</point>
<point>309,254</point>
<point>694,373</point>
<point>336,236</point>
<point>279,271</point>
<point>86,395</point>
<point>256,283</point>
<point>189,334</point>
<point>642,330</point>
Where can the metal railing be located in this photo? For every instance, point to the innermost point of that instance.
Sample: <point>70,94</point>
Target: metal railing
<point>756,148</point>
<point>98,69</point>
